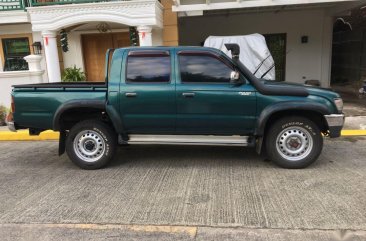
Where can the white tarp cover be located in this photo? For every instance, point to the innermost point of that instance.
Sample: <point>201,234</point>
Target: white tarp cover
<point>253,51</point>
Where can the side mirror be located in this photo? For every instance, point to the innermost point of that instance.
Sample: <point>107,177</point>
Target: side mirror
<point>234,75</point>
<point>235,78</point>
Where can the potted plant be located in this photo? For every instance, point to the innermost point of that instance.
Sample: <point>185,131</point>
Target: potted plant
<point>73,74</point>
<point>3,113</point>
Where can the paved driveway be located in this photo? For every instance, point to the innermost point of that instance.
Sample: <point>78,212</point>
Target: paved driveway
<point>181,192</point>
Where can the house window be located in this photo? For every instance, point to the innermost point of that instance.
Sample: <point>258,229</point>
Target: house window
<point>15,49</point>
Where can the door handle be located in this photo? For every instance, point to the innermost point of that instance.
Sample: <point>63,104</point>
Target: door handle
<point>130,94</point>
<point>187,95</point>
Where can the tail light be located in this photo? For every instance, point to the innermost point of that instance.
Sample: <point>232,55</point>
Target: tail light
<point>12,107</point>
<point>10,117</point>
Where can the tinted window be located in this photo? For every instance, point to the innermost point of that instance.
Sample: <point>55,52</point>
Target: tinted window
<point>203,68</point>
<point>150,69</point>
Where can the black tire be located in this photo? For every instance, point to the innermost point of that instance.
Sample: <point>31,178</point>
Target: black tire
<point>100,136</point>
<point>288,142</point>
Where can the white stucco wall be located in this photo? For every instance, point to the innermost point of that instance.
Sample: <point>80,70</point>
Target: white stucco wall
<point>7,79</point>
<point>24,29</point>
<point>15,28</point>
<point>303,61</point>
<point>75,54</point>
<point>37,37</point>
<point>157,37</point>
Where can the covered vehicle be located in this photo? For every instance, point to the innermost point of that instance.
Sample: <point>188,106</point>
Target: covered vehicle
<point>254,53</point>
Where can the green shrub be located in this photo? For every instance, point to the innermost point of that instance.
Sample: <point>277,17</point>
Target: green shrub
<point>3,113</point>
<point>73,75</point>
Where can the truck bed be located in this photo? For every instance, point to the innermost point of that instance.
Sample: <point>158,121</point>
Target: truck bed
<point>36,104</point>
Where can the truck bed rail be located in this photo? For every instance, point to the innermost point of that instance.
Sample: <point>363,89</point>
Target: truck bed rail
<point>63,85</point>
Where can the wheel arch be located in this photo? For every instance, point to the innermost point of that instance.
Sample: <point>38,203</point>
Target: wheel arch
<point>90,109</point>
<point>313,111</point>
<point>68,114</point>
<point>76,106</point>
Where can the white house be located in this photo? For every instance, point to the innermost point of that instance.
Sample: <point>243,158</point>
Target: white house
<point>298,33</point>
<point>92,27</point>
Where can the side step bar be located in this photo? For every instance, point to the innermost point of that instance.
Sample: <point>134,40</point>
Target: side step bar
<point>189,140</point>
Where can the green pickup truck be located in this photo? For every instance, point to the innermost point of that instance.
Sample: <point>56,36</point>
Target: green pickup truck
<point>179,95</point>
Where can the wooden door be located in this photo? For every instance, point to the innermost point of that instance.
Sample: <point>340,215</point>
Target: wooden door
<point>95,47</point>
<point>121,40</point>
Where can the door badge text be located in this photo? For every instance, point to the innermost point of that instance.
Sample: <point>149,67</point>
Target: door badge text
<point>245,93</point>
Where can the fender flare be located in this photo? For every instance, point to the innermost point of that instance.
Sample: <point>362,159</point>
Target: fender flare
<point>116,121</point>
<point>96,104</point>
<point>287,105</point>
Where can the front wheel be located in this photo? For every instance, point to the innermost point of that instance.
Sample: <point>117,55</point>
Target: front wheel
<point>91,144</point>
<point>294,142</point>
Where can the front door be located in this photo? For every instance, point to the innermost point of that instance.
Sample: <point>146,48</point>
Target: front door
<point>207,103</point>
<point>147,93</point>
<point>95,47</point>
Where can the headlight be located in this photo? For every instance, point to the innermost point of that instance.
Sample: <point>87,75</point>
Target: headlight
<point>339,103</point>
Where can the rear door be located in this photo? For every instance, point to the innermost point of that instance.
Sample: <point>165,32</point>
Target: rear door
<point>147,92</point>
<point>207,103</point>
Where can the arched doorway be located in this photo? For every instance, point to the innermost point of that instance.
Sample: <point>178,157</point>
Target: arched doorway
<point>49,20</point>
<point>94,47</point>
<point>95,39</point>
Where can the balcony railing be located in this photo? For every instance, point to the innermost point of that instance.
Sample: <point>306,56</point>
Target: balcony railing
<point>8,5</point>
<point>57,2</point>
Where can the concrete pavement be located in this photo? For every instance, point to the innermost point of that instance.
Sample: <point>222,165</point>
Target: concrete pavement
<point>223,193</point>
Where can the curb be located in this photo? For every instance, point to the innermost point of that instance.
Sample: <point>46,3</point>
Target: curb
<point>52,135</point>
<point>353,132</point>
<point>24,136</point>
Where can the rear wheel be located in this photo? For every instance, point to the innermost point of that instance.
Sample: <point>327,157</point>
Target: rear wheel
<point>294,142</point>
<point>91,144</point>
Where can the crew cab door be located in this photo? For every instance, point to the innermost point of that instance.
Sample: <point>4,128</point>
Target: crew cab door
<point>207,103</point>
<point>147,92</point>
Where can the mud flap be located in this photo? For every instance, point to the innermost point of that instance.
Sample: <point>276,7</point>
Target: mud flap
<point>62,143</point>
<point>259,143</point>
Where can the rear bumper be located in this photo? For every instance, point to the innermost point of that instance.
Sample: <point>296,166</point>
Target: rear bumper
<point>10,122</point>
<point>335,123</point>
<point>11,126</point>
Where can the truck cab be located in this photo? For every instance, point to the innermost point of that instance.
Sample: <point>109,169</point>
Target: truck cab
<point>180,95</point>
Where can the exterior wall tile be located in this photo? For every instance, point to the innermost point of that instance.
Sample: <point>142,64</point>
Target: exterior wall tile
<point>170,30</point>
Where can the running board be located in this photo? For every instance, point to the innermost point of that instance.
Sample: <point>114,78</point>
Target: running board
<point>189,140</point>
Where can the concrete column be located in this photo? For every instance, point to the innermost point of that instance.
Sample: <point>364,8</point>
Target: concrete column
<point>34,64</point>
<point>51,52</point>
<point>145,35</point>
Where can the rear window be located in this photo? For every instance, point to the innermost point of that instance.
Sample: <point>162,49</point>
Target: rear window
<point>148,69</point>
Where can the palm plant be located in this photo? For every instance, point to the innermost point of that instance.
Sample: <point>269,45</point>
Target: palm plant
<point>3,113</point>
<point>73,74</point>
